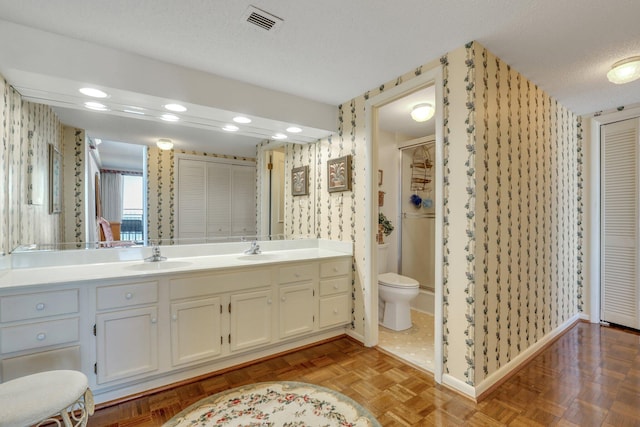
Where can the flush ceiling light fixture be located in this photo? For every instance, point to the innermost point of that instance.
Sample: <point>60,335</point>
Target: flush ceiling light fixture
<point>242,119</point>
<point>170,117</point>
<point>93,92</point>
<point>176,108</point>
<point>164,144</point>
<point>294,129</point>
<point>231,128</point>
<point>625,71</point>
<point>422,112</point>
<point>95,106</point>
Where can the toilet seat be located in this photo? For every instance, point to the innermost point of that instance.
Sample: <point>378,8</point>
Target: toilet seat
<point>394,280</point>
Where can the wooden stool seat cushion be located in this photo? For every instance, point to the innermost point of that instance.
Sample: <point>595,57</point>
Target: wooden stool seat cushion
<point>33,398</point>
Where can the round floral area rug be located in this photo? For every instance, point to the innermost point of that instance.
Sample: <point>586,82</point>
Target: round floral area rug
<point>284,403</point>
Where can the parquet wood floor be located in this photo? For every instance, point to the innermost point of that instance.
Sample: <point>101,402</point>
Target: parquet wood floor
<point>589,377</point>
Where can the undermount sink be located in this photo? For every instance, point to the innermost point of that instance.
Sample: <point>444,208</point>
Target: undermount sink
<point>260,257</point>
<point>159,265</point>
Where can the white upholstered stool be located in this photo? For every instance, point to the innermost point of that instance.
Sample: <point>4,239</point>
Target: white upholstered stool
<point>40,397</point>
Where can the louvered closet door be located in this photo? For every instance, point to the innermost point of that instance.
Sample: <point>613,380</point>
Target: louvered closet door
<point>620,294</point>
<point>191,199</point>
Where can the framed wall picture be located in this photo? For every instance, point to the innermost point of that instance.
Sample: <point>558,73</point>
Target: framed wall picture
<point>300,181</point>
<point>339,174</point>
<point>55,180</point>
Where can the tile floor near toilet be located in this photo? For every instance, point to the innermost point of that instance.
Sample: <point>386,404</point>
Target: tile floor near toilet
<point>415,344</point>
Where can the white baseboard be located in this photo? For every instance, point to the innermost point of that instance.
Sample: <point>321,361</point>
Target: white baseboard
<point>523,357</point>
<point>459,386</point>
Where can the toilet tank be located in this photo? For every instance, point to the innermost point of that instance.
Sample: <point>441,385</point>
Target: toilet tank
<point>383,252</point>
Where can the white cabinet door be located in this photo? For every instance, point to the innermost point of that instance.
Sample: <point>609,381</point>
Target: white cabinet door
<point>195,330</point>
<point>297,309</point>
<point>251,314</point>
<point>127,343</point>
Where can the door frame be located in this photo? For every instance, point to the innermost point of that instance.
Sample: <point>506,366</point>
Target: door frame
<point>593,224</point>
<point>427,78</point>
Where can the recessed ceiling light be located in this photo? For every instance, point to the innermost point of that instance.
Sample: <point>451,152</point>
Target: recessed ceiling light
<point>242,119</point>
<point>230,128</point>
<point>170,117</point>
<point>164,144</point>
<point>176,107</point>
<point>98,141</point>
<point>93,92</point>
<point>140,112</point>
<point>294,129</point>
<point>95,106</point>
<point>279,136</point>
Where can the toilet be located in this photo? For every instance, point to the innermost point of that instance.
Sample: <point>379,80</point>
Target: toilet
<point>395,292</point>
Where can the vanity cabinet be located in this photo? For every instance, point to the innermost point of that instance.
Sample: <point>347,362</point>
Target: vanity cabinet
<point>130,334</point>
<point>39,331</point>
<point>251,315</point>
<point>335,283</point>
<point>126,331</point>
<point>215,314</point>
<point>196,330</point>
<point>297,299</point>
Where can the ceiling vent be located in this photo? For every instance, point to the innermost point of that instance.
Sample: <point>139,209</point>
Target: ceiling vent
<point>262,19</point>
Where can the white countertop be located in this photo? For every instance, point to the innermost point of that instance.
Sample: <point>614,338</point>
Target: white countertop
<point>89,271</point>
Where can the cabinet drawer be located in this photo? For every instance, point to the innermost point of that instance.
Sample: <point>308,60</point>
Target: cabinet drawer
<point>34,306</point>
<point>61,358</point>
<point>334,286</point>
<point>297,273</point>
<point>335,268</point>
<point>334,311</point>
<point>127,295</point>
<point>35,335</point>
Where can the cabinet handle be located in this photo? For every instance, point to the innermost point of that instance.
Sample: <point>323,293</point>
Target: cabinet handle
<point>128,295</point>
<point>154,320</point>
<point>335,286</point>
<point>335,311</point>
<point>296,274</point>
<point>41,336</point>
<point>283,299</point>
<point>40,306</point>
<point>174,317</point>
<point>269,301</point>
<point>335,269</point>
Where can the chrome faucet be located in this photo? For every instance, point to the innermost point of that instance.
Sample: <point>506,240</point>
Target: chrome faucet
<point>254,249</point>
<point>155,255</point>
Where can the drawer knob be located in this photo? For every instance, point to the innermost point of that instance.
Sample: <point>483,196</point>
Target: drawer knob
<point>154,320</point>
<point>128,295</point>
<point>174,317</point>
<point>335,311</point>
<point>335,286</point>
<point>284,299</point>
<point>269,301</point>
<point>40,306</point>
<point>41,336</point>
<point>335,269</point>
<point>296,274</point>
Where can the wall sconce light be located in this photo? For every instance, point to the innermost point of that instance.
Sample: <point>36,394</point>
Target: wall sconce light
<point>164,144</point>
<point>625,71</point>
<point>422,112</point>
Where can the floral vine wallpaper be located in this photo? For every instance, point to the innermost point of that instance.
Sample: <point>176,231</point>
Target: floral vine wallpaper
<point>512,209</point>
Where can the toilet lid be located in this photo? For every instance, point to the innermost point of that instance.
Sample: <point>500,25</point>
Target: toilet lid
<point>397,281</point>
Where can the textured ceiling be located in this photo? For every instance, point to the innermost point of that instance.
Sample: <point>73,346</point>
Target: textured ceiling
<point>333,50</point>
